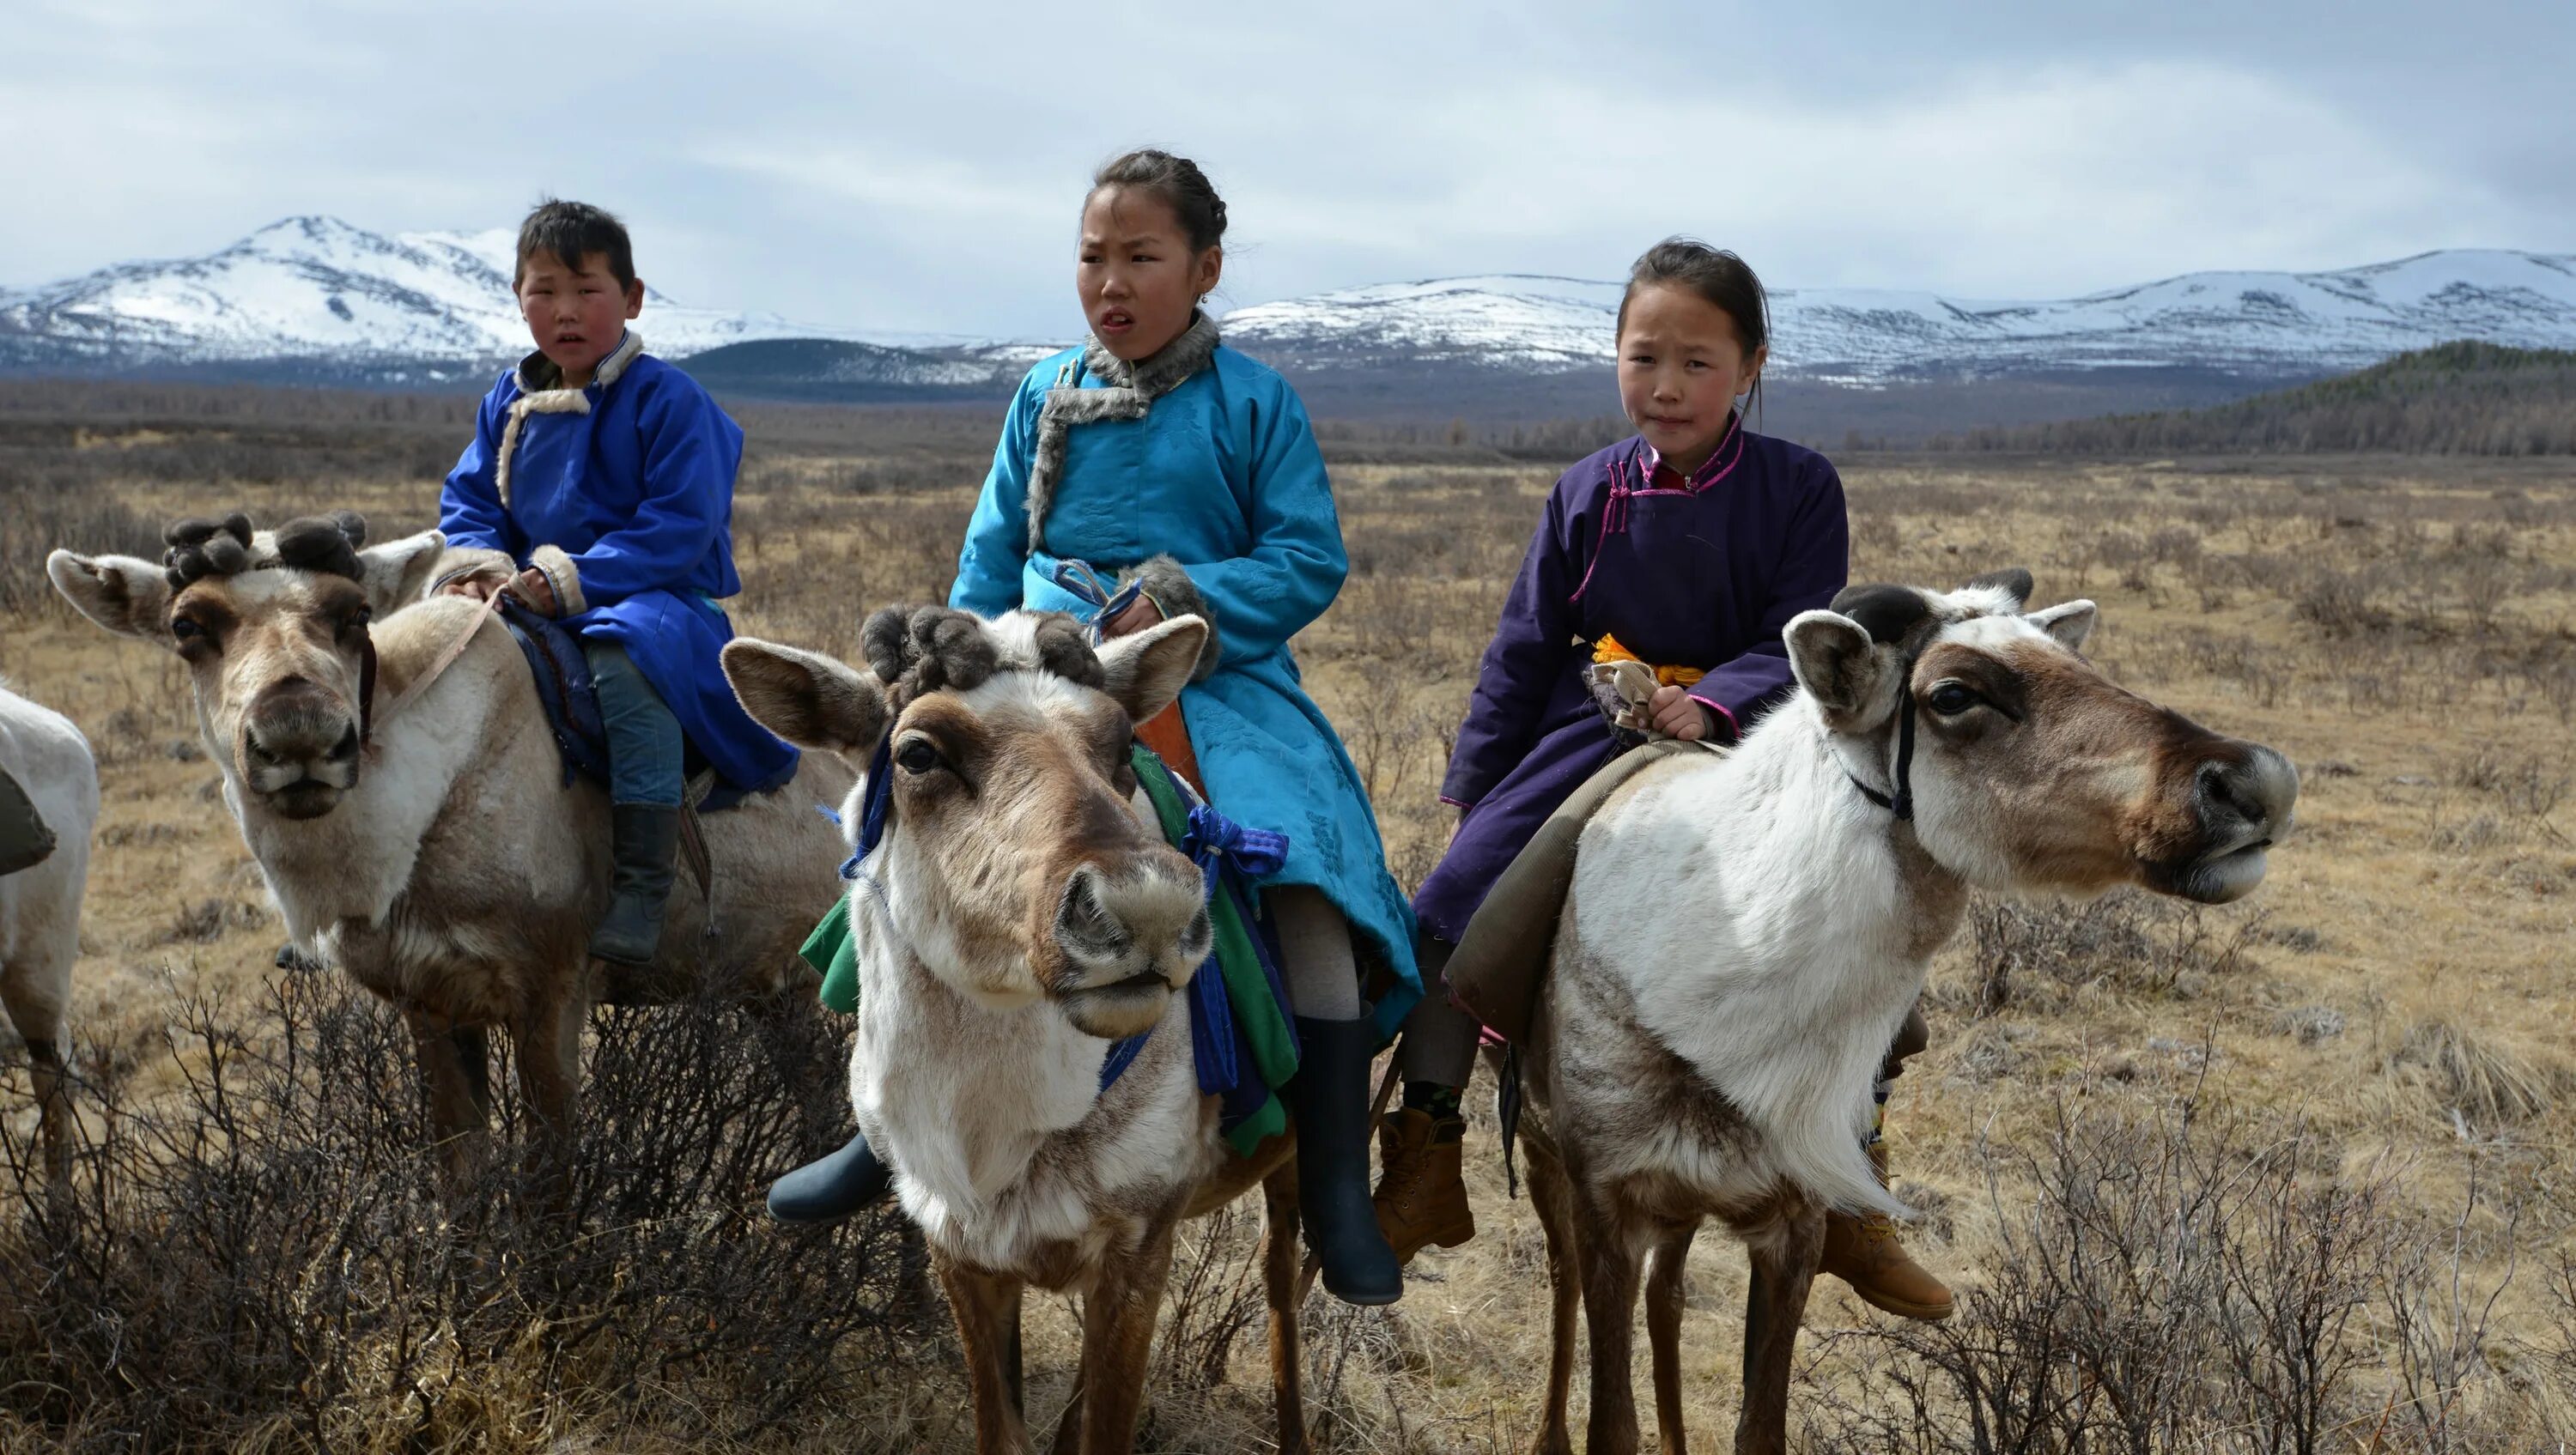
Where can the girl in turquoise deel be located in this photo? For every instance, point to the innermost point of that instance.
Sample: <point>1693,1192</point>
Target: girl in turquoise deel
<point>1155,454</point>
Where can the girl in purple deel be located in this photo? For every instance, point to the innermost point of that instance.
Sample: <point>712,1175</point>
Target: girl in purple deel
<point>1687,547</point>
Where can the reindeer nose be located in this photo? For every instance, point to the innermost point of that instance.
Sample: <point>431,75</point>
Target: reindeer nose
<point>1125,925</point>
<point>2259,789</point>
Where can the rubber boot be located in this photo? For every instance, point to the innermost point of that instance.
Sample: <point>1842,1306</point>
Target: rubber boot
<point>1330,1099</point>
<point>833,1188</point>
<point>1865,1253</point>
<point>645,841</point>
<point>1421,1196</point>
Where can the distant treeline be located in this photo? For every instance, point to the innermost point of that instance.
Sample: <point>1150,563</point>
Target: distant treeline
<point>2453,399</point>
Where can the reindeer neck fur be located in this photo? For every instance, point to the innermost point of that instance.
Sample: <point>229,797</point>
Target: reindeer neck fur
<point>1771,927</point>
<point>1009,1155</point>
<point>469,748</point>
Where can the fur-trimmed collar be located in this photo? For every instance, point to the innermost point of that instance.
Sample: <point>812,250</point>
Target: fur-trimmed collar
<point>541,391</point>
<point>1128,391</point>
<point>538,374</point>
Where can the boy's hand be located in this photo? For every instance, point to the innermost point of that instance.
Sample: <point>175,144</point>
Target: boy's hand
<point>479,588</point>
<point>534,589</point>
<point>1140,614</point>
<point>1677,714</point>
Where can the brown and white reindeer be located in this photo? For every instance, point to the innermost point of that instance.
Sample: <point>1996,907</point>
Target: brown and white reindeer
<point>392,771</point>
<point>1745,934</point>
<point>1020,915</point>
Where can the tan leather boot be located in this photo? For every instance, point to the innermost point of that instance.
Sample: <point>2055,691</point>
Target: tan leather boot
<point>1865,1253</point>
<point>1421,1198</point>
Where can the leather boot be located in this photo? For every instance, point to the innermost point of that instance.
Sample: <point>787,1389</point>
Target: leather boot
<point>645,839</point>
<point>833,1188</point>
<point>1865,1253</point>
<point>1421,1198</point>
<point>1330,1099</point>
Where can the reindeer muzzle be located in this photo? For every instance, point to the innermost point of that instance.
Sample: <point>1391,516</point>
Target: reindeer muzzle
<point>2245,800</point>
<point>300,749</point>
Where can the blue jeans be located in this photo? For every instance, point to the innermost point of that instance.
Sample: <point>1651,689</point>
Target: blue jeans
<point>646,749</point>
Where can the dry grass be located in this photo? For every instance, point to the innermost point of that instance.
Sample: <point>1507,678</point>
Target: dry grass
<point>2370,1051</point>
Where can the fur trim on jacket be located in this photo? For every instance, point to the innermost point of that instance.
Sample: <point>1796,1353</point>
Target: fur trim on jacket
<point>1131,391</point>
<point>1169,587</point>
<point>541,391</point>
<point>562,576</point>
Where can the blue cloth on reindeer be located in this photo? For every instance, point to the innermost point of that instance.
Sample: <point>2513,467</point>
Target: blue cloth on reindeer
<point>622,494</point>
<point>1205,456</point>
<point>1242,1033</point>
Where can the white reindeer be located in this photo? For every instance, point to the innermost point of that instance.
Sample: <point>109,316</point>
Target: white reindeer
<point>1022,915</point>
<point>40,906</point>
<point>1745,934</point>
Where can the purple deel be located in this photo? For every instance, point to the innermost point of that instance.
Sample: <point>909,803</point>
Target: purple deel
<point>1703,573</point>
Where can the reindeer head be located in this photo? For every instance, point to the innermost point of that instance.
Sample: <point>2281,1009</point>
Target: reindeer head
<point>273,627</point>
<point>1014,863</point>
<point>2030,769</point>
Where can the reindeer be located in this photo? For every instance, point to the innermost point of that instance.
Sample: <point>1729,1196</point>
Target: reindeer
<point>393,774</point>
<point>1022,915</point>
<point>1744,935</point>
<point>40,908</point>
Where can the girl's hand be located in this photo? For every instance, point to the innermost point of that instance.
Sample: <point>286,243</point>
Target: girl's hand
<point>1676,714</point>
<point>534,589</point>
<point>1140,614</point>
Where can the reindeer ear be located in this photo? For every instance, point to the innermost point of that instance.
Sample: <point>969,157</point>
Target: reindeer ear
<point>1144,672</point>
<point>805,697</point>
<point>126,595</point>
<point>2070,622</point>
<point>397,572</point>
<point>1844,670</point>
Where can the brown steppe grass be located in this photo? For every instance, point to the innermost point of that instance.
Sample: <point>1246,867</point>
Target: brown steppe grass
<point>2285,1175</point>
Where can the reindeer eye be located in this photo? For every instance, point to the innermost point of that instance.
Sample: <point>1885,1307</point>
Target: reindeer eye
<point>917,757</point>
<point>358,620</point>
<point>184,630</point>
<point>1950,699</point>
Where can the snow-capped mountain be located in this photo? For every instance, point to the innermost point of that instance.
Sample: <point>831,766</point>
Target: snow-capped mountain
<point>319,291</point>
<point>2251,324</point>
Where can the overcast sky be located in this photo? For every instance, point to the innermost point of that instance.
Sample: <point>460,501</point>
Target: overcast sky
<point>919,166</point>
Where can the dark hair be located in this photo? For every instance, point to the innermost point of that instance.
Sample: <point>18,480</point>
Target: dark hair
<point>572,231</point>
<point>1715,274</point>
<point>1178,181</point>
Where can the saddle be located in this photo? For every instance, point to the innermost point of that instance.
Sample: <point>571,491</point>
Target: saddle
<point>1502,960</point>
<point>571,701</point>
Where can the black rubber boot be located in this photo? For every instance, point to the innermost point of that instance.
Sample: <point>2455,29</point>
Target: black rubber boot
<point>833,1188</point>
<point>646,839</point>
<point>1330,1099</point>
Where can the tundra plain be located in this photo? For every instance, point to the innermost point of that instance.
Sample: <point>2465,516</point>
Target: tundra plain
<point>2292,1174</point>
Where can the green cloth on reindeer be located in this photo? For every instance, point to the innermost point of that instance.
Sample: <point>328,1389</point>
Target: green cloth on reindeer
<point>1254,1017</point>
<point>832,950</point>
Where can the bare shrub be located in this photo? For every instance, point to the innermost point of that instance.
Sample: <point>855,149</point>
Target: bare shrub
<point>260,1252</point>
<point>2127,940</point>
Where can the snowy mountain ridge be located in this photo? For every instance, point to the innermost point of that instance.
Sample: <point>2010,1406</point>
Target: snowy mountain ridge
<point>334,300</point>
<point>2253,323</point>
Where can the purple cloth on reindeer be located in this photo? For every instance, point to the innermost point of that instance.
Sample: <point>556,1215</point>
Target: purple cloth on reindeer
<point>1700,573</point>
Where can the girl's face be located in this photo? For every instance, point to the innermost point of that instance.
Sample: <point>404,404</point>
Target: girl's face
<point>1680,367</point>
<point>1138,276</point>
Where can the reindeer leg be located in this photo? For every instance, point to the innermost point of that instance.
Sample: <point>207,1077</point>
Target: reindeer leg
<point>549,1049</point>
<point>1068,1423</point>
<point>1783,1261</point>
<point>987,1306</point>
<point>1118,1332</point>
<point>455,1087</point>
<point>1551,1197</point>
<point>53,1122</point>
<point>1606,1253</point>
<point>1664,1328</point>
<point>1279,1281</point>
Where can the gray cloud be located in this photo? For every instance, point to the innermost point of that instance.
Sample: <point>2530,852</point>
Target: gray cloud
<point>919,167</point>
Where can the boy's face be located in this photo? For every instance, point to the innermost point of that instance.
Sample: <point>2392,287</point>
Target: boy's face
<point>576,314</point>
